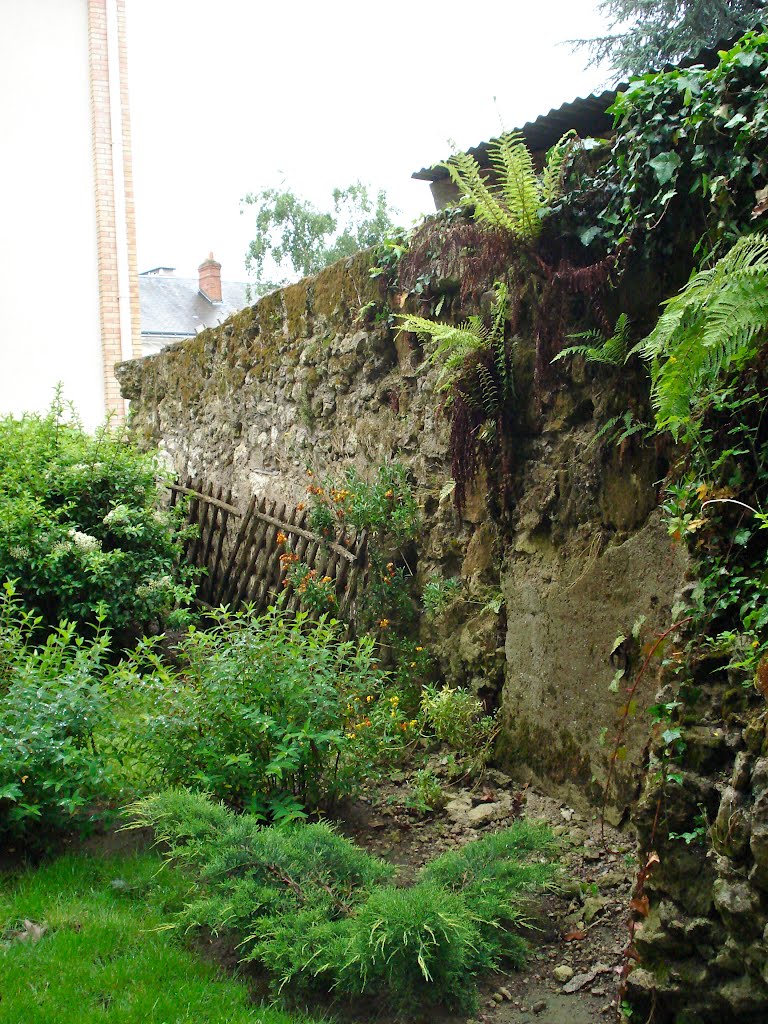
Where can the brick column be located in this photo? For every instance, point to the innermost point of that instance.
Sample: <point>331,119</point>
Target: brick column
<point>115,217</point>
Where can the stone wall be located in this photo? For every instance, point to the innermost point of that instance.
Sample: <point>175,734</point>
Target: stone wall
<point>303,381</point>
<point>703,946</point>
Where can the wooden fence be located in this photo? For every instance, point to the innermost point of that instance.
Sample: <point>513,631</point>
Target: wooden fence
<point>240,552</point>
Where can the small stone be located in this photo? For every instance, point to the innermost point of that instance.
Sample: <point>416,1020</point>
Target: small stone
<point>506,994</point>
<point>563,973</point>
<point>592,907</point>
<point>497,997</point>
<point>540,1006</point>
<point>481,815</point>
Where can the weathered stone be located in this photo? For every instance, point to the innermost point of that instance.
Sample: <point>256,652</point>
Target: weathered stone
<point>731,829</point>
<point>565,608</point>
<point>483,814</point>
<point>563,973</point>
<point>744,995</point>
<point>742,768</point>
<point>739,906</point>
<point>593,905</point>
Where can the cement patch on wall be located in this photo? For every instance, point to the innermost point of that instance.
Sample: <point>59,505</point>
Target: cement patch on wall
<point>565,609</point>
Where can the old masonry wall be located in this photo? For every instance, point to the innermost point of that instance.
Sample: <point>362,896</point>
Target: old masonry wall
<point>302,381</point>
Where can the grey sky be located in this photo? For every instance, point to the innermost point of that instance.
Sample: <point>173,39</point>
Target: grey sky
<point>237,95</point>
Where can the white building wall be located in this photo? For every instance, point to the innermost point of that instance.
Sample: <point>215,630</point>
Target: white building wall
<point>49,299</point>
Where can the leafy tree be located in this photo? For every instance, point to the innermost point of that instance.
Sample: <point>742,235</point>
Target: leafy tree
<point>301,240</point>
<point>651,33</point>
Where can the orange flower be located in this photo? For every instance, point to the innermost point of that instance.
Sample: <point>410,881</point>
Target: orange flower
<point>300,507</point>
<point>383,623</point>
<point>281,537</point>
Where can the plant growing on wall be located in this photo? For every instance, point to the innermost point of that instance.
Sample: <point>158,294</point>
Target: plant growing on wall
<point>715,323</point>
<point>476,376</point>
<point>517,200</point>
<point>687,164</point>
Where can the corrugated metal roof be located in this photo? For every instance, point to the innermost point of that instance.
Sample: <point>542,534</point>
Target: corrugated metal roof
<point>586,114</point>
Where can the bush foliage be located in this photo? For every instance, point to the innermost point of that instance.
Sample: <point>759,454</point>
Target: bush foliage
<point>81,531</point>
<point>52,706</point>
<point>270,713</point>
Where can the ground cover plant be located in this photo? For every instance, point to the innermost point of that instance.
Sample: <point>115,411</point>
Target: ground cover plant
<point>81,529</point>
<point>316,911</point>
<point>273,714</point>
<point>84,939</point>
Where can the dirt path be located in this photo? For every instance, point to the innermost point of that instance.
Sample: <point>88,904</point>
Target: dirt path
<point>577,943</point>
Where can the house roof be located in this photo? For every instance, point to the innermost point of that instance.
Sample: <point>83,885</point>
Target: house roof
<point>173,307</point>
<point>586,114</point>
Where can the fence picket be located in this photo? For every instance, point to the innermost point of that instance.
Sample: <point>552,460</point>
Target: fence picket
<point>242,556</point>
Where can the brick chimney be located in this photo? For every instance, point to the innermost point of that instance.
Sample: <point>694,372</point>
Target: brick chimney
<point>210,279</point>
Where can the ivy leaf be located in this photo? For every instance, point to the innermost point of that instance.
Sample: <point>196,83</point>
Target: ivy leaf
<point>670,735</point>
<point>589,234</point>
<point>737,119</point>
<point>664,166</point>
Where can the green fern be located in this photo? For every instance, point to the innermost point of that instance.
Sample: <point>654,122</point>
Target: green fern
<point>613,350</point>
<point>516,201</point>
<point>456,344</point>
<point>713,324</point>
<point>488,389</point>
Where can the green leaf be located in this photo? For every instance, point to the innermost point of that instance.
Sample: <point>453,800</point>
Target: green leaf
<point>670,735</point>
<point>588,235</point>
<point>664,166</point>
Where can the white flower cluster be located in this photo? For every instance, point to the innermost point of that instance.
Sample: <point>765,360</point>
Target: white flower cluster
<point>84,541</point>
<point>151,586</point>
<point>117,516</point>
<point>19,552</point>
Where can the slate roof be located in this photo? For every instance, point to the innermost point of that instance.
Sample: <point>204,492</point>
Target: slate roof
<point>172,307</point>
<point>586,114</point>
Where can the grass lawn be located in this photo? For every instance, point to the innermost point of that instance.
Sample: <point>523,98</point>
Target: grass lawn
<point>102,957</point>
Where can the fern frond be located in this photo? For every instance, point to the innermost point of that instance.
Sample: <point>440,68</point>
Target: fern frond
<point>518,183</point>
<point>465,173</point>
<point>553,175</point>
<point>454,344</point>
<point>516,201</point>
<point>613,350</point>
<point>488,389</point>
<point>713,323</point>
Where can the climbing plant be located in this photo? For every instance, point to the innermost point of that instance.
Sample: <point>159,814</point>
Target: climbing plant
<point>687,139</point>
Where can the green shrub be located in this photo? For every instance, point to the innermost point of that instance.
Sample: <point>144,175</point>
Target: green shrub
<point>81,531</point>
<point>495,875</point>
<point>279,891</point>
<point>458,718</point>
<point>270,713</point>
<point>52,707</point>
<point>415,947</point>
<point>385,507</point>
<point>313,909</point>
<point>438,594</point>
